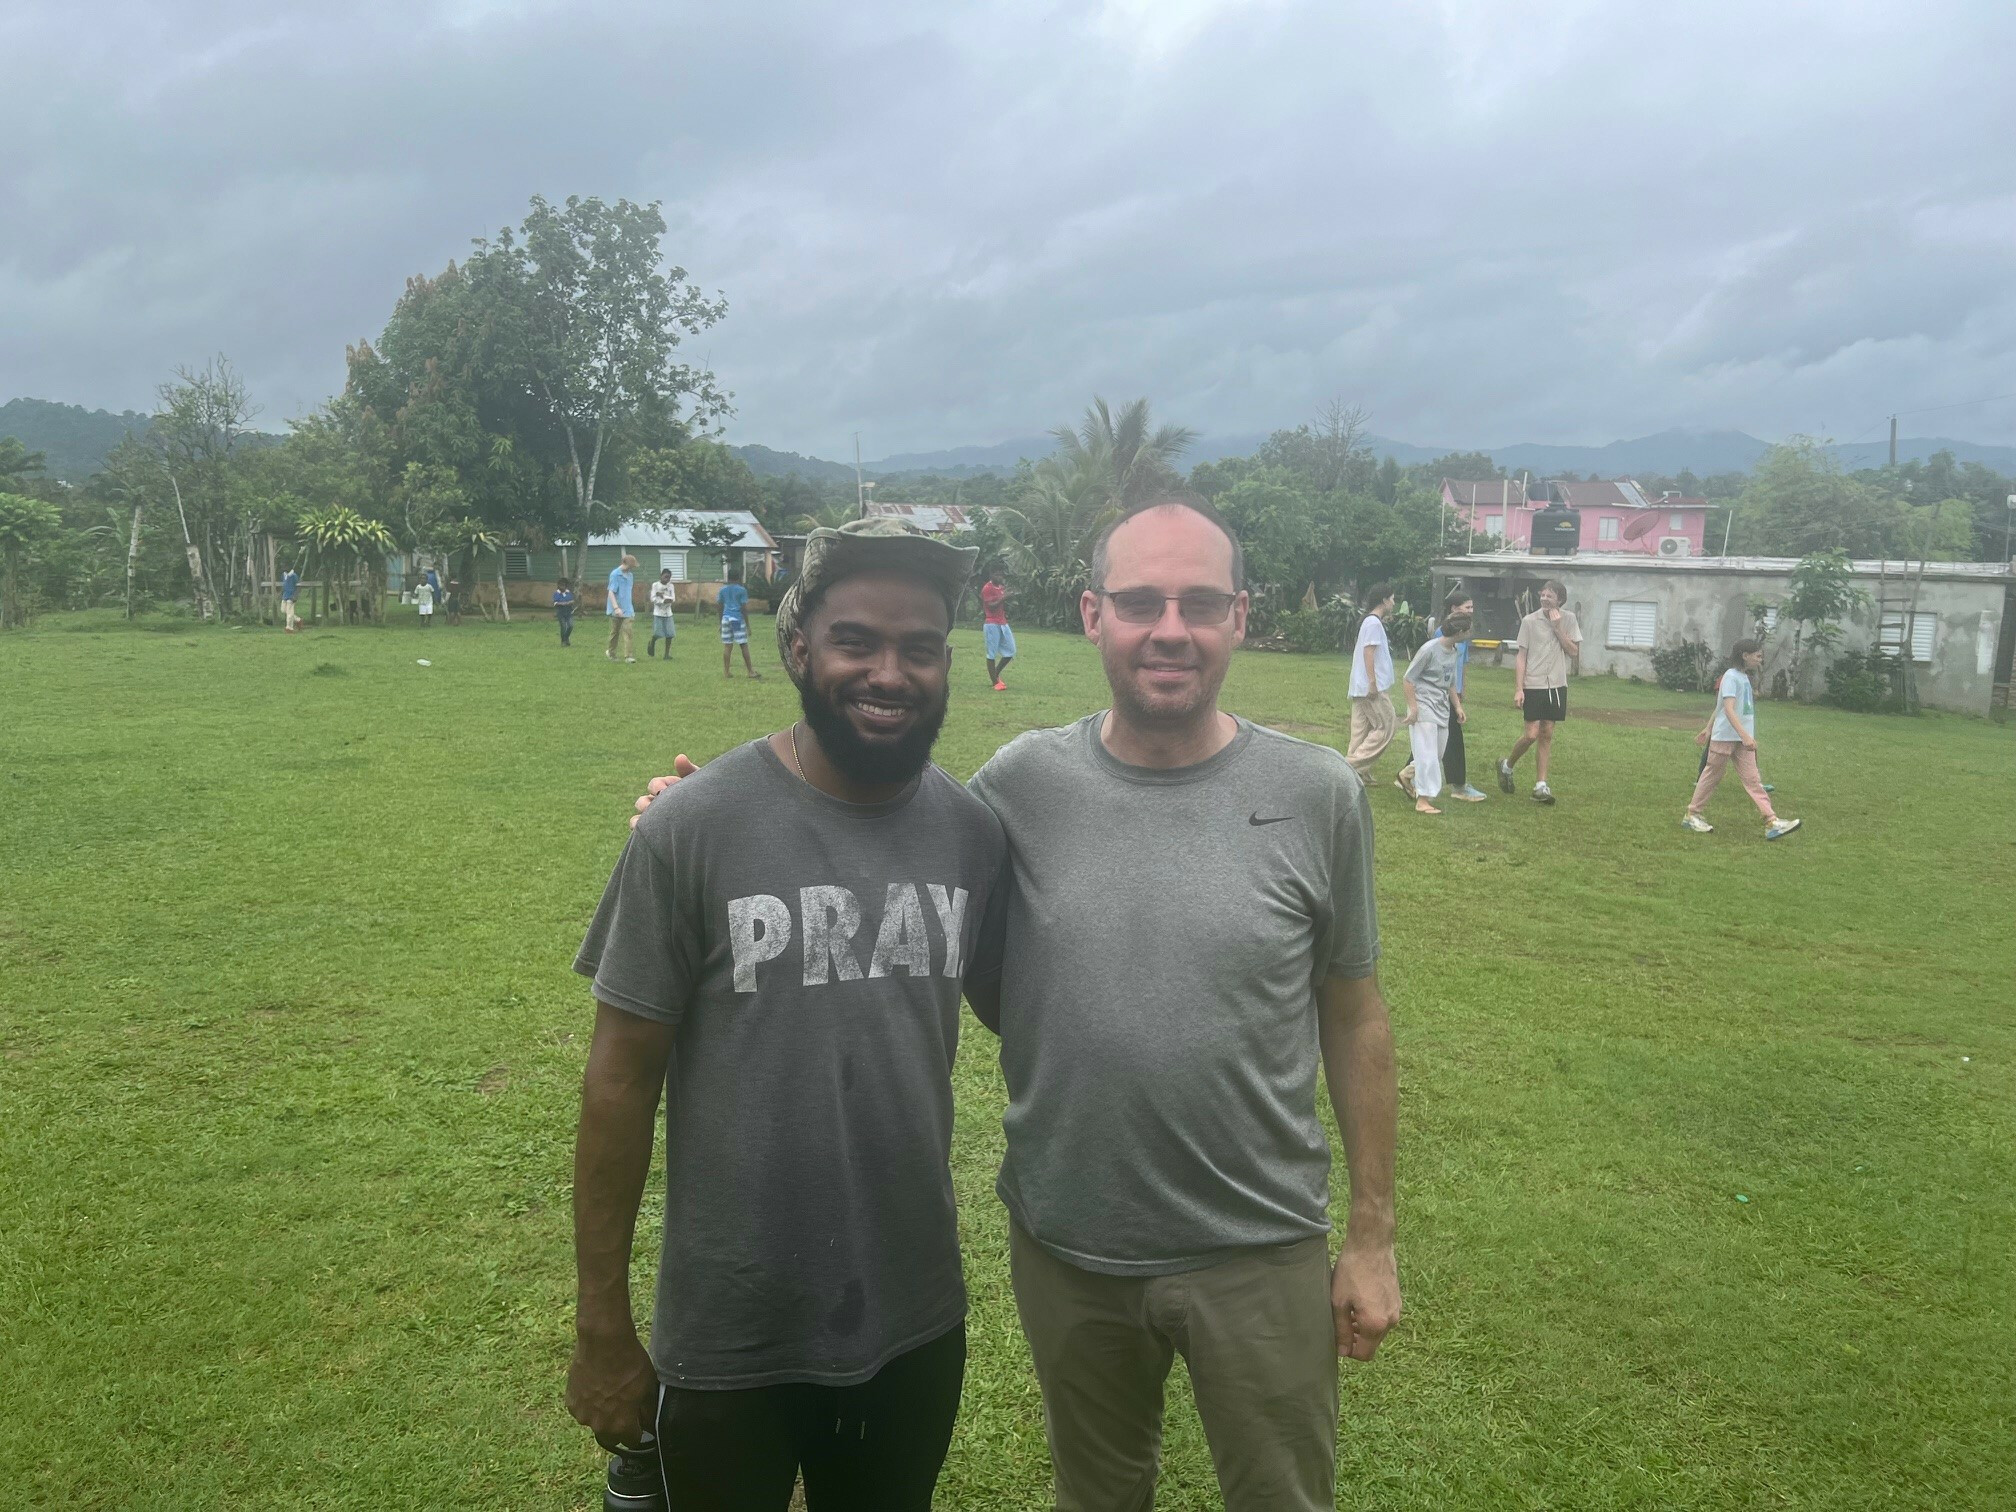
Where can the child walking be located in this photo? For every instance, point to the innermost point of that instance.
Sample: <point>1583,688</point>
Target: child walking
<point>1732,737</point>
<point>563,609</point>
<point>423,600</point>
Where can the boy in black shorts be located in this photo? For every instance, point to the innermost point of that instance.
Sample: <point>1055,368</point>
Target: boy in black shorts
<point>1549,638</point>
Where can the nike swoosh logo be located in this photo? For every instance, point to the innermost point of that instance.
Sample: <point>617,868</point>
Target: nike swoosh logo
<point>1257,820</point>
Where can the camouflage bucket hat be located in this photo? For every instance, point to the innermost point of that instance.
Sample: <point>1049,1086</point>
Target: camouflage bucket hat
<point>879,544</point>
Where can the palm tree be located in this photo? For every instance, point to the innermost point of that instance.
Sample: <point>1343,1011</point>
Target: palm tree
<point>24,524</point>
<point>828,517</point>
<point>1121,456</point>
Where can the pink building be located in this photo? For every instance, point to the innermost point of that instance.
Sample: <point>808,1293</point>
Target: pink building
<point>1616,515</point>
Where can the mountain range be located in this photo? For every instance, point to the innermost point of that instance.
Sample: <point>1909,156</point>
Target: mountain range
<point>1702,452</point>
<point>75,441</point>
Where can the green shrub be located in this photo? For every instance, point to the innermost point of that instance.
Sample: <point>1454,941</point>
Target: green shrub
<point>1689,667</point>
<point>1865,682</point>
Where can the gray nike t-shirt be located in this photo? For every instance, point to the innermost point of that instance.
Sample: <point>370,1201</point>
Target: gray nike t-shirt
<point>810,953</point>
<point>1165,937</point>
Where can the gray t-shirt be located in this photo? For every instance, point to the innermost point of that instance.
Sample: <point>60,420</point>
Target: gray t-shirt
<point>810,953</point>
<point>1437,667</point>
<point>1166,934</point>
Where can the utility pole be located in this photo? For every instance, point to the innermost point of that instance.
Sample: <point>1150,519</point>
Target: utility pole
<point>861,494</point>
<point>1893,440</point>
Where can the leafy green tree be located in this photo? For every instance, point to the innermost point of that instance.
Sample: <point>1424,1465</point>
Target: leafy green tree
<point>1800,503</point>
<point>1821,594</point>
<point>587,318</point>
<point>17,462</point>
<point>25,525</point>
<point>696,475</point>
<point>347,551</point>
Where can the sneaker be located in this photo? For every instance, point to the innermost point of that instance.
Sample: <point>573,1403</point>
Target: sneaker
<point>1782,828</point>
<point>1697,824</point>
<point>1467,794</point>
<point>629,658</point>
<point>1000,687</point>
<point>1504,775</point>
<point>1542,793</point>
<point>1405,786</point>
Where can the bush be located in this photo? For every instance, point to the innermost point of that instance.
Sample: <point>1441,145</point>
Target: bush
<point>1865,683</point>
<point>1690,667</point>
<point>1326,629</point>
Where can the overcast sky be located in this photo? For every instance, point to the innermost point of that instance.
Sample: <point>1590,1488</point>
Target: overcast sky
<point>1486,221</point>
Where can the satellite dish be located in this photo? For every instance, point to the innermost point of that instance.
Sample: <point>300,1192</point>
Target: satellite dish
<point>1641,527</point>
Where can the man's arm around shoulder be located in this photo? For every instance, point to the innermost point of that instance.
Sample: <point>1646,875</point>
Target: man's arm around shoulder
<point>1357,1038</point>
<point>611,1383</point>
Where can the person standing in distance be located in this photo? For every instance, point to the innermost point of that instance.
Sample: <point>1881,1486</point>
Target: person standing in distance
<point>664,609</point>
<point>780,952</point>
<point>1731,738</point>
<point>735,624</point>
<point>621,610</point>
<point>994,628</point>
<point>1434,708</point>
<point>1372,721</point>
<point>1549,639</point>
<point>290,588</point>
<point>563,609</point>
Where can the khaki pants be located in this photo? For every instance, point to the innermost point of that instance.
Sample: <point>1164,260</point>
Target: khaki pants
<point>1259,1339</point>
<point>619,637</point>
<point>289,619</point>
<point>1372,724</point>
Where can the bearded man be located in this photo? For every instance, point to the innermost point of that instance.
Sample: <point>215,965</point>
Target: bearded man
<point>782,950</point>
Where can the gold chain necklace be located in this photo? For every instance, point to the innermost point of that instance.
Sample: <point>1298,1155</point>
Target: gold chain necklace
<point>794,755</point>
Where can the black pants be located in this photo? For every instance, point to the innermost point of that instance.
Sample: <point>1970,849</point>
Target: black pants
<point>1454,773</point>
<point>566,619</point>
<point>876,1447</point>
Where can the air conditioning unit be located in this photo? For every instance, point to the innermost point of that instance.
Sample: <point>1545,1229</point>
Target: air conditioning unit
<point>1675,546</point>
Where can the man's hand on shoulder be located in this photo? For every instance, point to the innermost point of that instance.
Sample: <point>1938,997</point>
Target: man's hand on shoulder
<point>681,768</point>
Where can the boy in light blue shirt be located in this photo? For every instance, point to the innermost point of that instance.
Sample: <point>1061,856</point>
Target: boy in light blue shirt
<point>735,625</point>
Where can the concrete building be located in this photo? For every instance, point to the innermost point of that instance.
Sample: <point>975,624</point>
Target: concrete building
<point>1617,515</point>
<point>1960,637</point>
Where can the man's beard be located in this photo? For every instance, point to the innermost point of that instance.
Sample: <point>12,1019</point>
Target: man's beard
<point>1170,711</point>
<point>869,762</point>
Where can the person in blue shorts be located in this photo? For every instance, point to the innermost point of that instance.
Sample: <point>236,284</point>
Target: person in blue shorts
<point>994,626</point>
<point>735,624</point>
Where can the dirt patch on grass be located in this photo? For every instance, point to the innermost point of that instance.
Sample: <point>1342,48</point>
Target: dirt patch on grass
<point>1644,719</point>
<point>495,1080</point>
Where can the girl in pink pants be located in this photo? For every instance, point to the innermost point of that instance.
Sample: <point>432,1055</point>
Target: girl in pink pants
<point>1732,738</point>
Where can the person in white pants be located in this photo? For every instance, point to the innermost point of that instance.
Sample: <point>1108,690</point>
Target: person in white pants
<point>1432,703</point>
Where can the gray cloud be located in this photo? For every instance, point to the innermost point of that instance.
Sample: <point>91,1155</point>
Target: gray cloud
<point>1486,220</point>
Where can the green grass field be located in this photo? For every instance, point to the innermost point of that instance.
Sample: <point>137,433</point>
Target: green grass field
<point>289,1055</point>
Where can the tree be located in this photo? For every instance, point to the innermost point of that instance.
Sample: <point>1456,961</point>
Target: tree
<point>346,548</point>
<point>1799,503</point>
<point>1821,593</point>
<point>24,525</point>
<point>195,434</point>
<point>700,474</point>
<point>1119,459</point>
<point>17,462</point>
<point>588,320</point>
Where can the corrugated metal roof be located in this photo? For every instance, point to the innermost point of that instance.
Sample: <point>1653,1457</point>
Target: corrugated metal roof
<point>932,519</point>
<point>678,533</point>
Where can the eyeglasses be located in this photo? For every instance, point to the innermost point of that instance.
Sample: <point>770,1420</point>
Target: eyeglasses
<point>1143,606</point>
